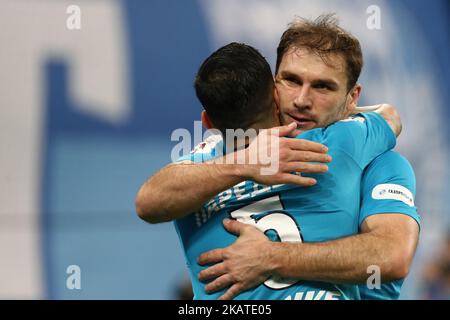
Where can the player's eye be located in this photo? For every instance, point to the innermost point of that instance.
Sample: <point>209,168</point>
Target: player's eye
<point>292,82</point>
<point>322,86</point>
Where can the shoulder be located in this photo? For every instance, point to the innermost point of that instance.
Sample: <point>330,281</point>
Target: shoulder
<point>353,125</point>
<point>347,130</point>
<point>356,123</point>
<point>347,135</point>
<point>335,131</point>
<point>208,146</point>
<point>208,149</point>
<point>390,171</point>
<point>391,163</point>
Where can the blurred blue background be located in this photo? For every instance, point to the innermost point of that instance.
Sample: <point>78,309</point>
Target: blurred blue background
<point>87,117</point>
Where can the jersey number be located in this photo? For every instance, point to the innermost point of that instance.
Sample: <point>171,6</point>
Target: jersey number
<point>277,220</point>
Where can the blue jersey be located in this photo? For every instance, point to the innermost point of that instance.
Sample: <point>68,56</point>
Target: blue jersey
<point>327,211</point>
<point>388,186</point>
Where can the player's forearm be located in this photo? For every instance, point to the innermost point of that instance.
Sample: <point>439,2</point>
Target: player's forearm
<point>180,189</point>
<point>392,117</point>
<point>341,261</point>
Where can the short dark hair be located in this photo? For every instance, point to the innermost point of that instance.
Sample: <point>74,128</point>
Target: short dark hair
<point>323,36</point>
<point>235,86</point>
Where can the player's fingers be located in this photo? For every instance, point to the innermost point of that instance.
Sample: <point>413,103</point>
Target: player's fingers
<point>299,166</point>
<point>233,226</point>
<point>212,272</point>
<point>212,256</point>
<point>291,178</point>
<point>306,145</point>
<point>219,284</point>
<point>232,292</point>
<point>309,156</point>
<point>283,130</point>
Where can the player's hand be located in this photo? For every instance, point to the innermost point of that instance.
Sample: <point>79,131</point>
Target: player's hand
<point>365,109</point>
<point>276,157</point>
<point>239,267</point>
<point>388,112</point>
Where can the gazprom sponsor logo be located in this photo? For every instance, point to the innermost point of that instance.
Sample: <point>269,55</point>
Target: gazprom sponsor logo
<point>389,191</point>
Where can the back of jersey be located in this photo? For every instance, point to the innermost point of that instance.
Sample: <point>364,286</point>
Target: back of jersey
<point>327,211</point>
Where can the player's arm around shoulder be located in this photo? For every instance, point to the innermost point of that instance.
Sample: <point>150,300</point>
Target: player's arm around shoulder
<point>388,212</point>
<point>389,113</point>
<point>398,234</point>
<point>182,188</point>
<point>366,135</point>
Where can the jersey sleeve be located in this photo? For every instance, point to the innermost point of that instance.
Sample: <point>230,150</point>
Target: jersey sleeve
<point>362,138</point>
<point>388,185</point>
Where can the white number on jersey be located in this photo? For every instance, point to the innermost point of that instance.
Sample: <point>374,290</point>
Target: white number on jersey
<point>278,220</point>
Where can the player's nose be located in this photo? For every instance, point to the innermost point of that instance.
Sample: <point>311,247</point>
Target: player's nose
<point>303,98</point>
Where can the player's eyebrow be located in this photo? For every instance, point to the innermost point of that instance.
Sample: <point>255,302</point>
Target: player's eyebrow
<point>332,84</point>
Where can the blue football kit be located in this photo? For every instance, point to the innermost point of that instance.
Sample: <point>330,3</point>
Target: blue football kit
<point>388,186</point>
<point>326,211</point>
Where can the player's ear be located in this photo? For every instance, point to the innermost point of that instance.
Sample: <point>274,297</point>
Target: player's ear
<point>354,97</point>
<point>206,121</point>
